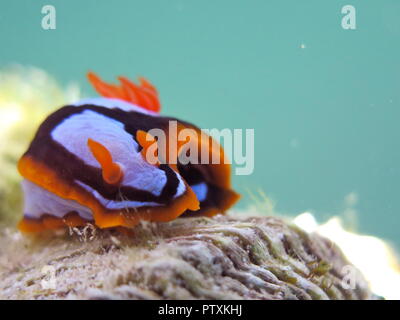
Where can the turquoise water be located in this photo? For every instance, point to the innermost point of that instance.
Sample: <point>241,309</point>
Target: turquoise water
<point>324,101</point>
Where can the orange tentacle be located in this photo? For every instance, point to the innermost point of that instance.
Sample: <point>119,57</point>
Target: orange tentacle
<point>130,93</point>
<point>155,104</point>
<point>112,171</point>
<point>142,94</point>
<point>135,91</point>
<point>146,84</point>
<point>104,89</point>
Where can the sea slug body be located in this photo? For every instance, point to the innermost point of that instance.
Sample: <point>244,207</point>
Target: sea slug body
<point>87,163</point>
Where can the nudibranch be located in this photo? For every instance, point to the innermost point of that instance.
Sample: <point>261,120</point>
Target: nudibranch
<point>87,164</point>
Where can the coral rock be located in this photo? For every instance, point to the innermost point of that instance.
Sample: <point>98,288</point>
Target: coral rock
<point>189,258</point>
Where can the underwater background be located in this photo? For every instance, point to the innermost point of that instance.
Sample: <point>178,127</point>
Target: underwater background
<point>324,101</point>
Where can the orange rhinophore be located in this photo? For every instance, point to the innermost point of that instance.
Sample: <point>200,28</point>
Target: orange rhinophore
<point>112,171</point>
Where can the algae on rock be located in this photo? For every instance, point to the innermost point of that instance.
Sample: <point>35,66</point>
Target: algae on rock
<point>27,96</point>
